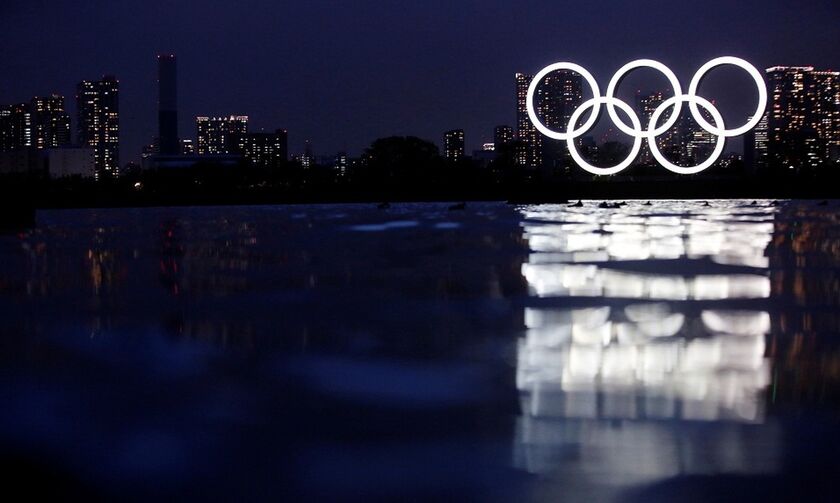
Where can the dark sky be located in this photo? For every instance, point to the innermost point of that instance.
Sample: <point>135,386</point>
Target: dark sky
<point>343,73</point>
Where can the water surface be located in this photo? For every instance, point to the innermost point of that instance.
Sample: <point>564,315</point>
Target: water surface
<point>658,352</point>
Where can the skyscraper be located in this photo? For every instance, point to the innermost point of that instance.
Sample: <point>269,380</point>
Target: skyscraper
<point>804,116</point>
<point>168,105</point>
<point>755,145</point>
<point>98,107</point>
<point>15,127</point>
<point>556,98</point>
<point>646,105</point>
<point>268,150</point>
<point>502,135</point>
<point>699,145</point>
<point>218,135</point>
<point>50,123</point>
<point>530,155</point>
<point>453,145</point>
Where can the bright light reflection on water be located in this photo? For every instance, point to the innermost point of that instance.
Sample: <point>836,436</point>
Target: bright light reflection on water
<point>651,341</point>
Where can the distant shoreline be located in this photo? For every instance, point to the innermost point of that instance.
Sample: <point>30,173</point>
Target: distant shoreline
<point>546,193</point>
<point>19,201</point>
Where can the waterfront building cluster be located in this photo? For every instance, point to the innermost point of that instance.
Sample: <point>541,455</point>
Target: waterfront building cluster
<point>800,131</point>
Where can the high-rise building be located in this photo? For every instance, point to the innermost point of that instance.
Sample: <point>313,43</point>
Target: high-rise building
<point>5,130</point>
<point>41,123</point>
<point>50,122</point>
<point>307,159</point>
<point>685,143</point>
<point>340,163</point>
<point>755,145</point>
<point>187,147</point>
<point>15,127</point>
<point>268,150</point>
<point>502,135</point>
<point>453,145</point>
<point>218,135</point>
<point>699,145</point>
<point>168,105</point>
<point>556,98</point>
<point>646,105</point>
<point>530,155</point>
<point>98,107</point>
<point>804,116</point>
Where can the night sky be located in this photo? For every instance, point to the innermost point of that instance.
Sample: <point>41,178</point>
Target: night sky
<point>343,73</point>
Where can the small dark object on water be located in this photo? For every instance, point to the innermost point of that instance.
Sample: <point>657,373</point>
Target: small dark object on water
<point>774,203</point>
<point>822,203</point>
<point>648,203</point>
<point>578,204</point>
<point>384,205</point>
<point>459,206</point>
<point>706,203</point>
<point>611,206</point>
<point>754,203</point>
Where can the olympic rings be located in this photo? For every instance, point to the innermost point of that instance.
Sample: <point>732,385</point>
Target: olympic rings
<point>638,132</point>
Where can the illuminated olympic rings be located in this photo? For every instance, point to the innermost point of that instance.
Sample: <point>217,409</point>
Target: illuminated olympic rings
<point>635,130</point>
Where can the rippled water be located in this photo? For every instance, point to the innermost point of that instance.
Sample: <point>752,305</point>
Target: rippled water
<point>653,352</point>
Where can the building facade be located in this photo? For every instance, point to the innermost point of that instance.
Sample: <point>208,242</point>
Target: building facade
<point>98,108</point>
<point>64,162</point>
<point>218,135</point>
<point>50,122</point>
<point>502,136</point>
<point>646,105</point>
<point>756,143</point>
<point>15,127</point>
<point>556,98</point>
<point>453,145</point>
<point>804,117</point>
<point>530,153</point>
<point>267,150</point>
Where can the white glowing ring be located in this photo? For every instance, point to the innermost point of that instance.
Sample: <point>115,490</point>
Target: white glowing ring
<point>693,101</point>
<point>616,79</point>
<point>652,131</point>
<point>637,138</point>
<point>759,82</point>
<point>532,88</point>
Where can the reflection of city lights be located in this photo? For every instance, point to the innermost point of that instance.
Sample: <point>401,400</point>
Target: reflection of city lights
<point>648,359</point>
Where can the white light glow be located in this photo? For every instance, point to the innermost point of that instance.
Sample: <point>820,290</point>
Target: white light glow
<point>638,132</point>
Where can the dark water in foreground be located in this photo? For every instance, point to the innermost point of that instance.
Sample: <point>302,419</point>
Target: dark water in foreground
<point>650,353</point>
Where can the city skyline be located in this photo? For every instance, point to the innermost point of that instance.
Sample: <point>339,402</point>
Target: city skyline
<point>803,122</point>
<point>313,86</point>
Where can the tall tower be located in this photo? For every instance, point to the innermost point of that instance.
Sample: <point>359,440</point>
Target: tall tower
<point>453,145</point>
<point>803,116</point>
<point>502,135</point>
<point>755,146</point>
<point>168,105</point>
<point>531,153</point>
<point>646,105</point>
<point>98,107</point>
<point>15,127</point>
<point>50,123</point>
<point>556,98</point>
